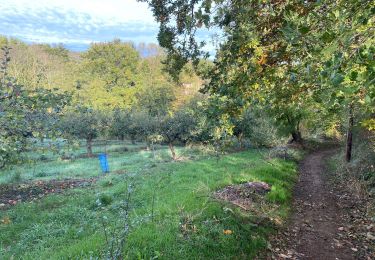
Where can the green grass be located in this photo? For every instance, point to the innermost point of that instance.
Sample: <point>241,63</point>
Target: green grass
<point>64,226</point>
<point>133,160</point>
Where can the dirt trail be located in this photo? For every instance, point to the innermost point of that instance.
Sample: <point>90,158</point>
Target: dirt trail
<point>318,223</point>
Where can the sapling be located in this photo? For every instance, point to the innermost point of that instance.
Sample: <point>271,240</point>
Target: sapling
<point>116,235</point>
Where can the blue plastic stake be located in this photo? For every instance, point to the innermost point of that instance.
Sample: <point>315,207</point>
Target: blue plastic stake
<point>104,162</point>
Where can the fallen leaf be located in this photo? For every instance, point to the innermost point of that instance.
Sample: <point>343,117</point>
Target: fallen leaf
<point>6,220</point>
<point>227,232</point>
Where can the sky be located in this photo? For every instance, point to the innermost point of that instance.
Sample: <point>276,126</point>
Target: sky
<point>77,23</point>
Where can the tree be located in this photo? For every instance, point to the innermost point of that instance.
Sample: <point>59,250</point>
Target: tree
<point>120,123</point>
<point>244,126</point>
<point>111,72</point>
<point>133,124</point>
<point>114,62</point>
<point>290,56</point>
<point>156,100</point>
<point>346,62</point>
<point>177,127</point>
<point>82,124</point>
<point>24,113</point>
<point>256,62</point>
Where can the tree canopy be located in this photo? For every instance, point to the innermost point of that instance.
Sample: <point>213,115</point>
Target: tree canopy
<point>295,58</point>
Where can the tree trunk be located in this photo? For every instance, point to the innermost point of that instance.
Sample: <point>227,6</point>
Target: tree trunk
<point>173,152</point>
<point>133,140</point>
<point>296,137</point>
<point>349,136</point>
<point>296,133</point>
<point>240,140</point>
<point>153,150</point>
<point>89,147</point>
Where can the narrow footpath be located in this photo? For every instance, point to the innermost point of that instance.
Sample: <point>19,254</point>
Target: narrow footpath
<point>318,228</point>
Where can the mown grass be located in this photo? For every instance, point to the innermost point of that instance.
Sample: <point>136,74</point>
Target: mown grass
<point>122,157</point>
<point>187,222</point>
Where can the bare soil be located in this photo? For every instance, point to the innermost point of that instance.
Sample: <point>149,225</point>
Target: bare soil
<point>12,194</point>
<point>322,226</point>
<point>244,195</point>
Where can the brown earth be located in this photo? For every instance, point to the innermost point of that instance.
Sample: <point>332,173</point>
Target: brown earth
<point>12,194</point>
<point>323,224</point>
<point>246,195</point>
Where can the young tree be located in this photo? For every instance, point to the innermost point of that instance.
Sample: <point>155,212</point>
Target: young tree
<point>120,123</point>
<point>177,127</point>
<point>82,124</point>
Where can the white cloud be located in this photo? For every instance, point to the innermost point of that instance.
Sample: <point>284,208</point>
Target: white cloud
<point>115,10</point>
<point>77,21</point>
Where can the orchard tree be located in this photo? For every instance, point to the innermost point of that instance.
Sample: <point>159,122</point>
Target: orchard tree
<point>120,123</point>
<point>81,124</point>
<point>148,126</point>
<point>24,113</point>
<point>177,128</point>
<point>134,127</point>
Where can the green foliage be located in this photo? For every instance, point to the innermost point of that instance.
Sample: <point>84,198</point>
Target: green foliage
<point>120,123</point>
<point>109,75</point>
<point>256,127</point>
<point>58,50</point>
<point>295,58</point>
<point>156,101</point>
<point>177,127</point>
<point>104,199</point>
<point>114,62</point>
<point>345,61</point>
<point>81,124</point>
<point>24,113</point>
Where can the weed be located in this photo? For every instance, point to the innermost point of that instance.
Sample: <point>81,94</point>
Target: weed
<point>116,236</point>
<point>104,199</point>
<point>16,177</point>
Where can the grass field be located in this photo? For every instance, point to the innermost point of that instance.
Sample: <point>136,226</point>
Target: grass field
<point>172,214</point>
